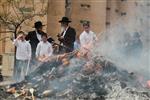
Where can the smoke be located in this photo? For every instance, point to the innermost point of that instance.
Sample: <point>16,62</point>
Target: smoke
<point>118,43</point>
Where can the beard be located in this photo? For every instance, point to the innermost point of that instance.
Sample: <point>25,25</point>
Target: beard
<point>62,28</point>
<point>39,31</point>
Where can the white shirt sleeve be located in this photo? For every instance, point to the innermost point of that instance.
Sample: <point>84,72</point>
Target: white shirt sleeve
<point>29,50</point>
<point>50,50</point>
<point>16,42</point>
<point>38,50</point>
<point>82,40</point>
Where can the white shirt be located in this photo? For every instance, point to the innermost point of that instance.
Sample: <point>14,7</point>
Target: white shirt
<point>65,31</point>
<point>87,38</point>
<point>44,49</point>
<point>38,35</point>
<point>23,49</point>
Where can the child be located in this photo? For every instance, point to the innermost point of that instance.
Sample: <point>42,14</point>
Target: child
<point>44,49</point>
<point>23,54</point>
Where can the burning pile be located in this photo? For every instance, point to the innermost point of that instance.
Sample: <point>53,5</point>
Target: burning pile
<point>80,79</point>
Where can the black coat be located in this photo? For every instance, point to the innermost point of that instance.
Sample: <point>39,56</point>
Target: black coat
<point>69,39</point>
<point>33,40</point>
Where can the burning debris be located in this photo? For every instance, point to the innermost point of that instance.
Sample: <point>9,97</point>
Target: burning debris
<point>73,77</point>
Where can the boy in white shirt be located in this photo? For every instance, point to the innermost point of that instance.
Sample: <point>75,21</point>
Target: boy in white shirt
<point>87,37</point>
<point>44,49</point>
<point>87,40</point>
<point>23,55</point>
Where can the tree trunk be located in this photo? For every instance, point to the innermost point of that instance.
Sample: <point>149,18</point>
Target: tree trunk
<point>68,4</point>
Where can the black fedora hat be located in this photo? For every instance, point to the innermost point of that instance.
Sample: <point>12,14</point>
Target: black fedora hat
<point>38,24</point>
<point>64,19</point>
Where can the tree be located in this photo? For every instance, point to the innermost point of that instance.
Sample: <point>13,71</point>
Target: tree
<point>16,12</point>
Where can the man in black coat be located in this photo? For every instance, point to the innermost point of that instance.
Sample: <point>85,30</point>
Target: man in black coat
<point>67,36</point>
<point>34,37</point>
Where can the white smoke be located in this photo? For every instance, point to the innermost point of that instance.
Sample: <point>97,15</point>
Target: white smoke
<point>112,42</point>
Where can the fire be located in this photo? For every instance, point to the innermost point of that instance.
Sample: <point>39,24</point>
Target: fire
<point>65,61</point>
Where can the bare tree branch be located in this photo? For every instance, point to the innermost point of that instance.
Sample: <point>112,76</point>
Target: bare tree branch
<point>14,19</point>
<point>6,31</point>
<point>15,11</point>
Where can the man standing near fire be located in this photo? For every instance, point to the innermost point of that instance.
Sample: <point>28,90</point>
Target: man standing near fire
<point>34,37</point>
<point>87,38</point>
<point>67,36</point>
<point>23,55</point>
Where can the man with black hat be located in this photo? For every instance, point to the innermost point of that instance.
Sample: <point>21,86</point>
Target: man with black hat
<point>34,37</point>
<point>67,36</point>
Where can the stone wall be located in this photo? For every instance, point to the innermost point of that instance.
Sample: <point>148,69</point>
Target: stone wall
<point>55,11</point>
<point>91,10</point>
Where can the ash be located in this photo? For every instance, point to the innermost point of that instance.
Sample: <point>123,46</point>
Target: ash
<point>95,79</point>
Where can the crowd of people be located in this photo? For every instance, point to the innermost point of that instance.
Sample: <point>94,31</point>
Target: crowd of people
<point>36,46</point>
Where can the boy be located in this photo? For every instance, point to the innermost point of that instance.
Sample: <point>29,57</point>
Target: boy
<point>44,49</point>
<point>23,54</point>
<point>87,37</point>
<point>87,40</point>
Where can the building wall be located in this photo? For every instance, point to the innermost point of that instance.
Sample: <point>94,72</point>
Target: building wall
<point>91,10</point>
<point>56,10</point>
<point>117,12</point>
<point>124,11</point>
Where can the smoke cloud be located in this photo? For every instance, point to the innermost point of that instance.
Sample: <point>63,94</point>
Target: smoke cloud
<point>114,43</point>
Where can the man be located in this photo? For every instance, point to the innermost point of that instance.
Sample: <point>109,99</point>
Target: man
<point>44,49</point>
<point>34,37</point>
<point>87,37</point>
<point>23,55</point>
<point>67,36</point>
